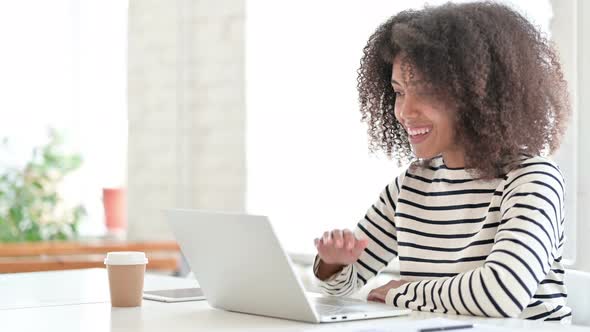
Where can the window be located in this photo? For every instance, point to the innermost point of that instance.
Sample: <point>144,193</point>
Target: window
<point>64,66</point>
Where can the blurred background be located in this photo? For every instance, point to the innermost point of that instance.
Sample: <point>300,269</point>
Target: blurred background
<point>114,110</point>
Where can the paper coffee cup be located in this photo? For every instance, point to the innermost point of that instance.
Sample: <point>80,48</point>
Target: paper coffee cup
<point>126,270</point>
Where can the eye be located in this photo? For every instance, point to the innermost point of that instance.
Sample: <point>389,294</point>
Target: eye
<point>398,94</point>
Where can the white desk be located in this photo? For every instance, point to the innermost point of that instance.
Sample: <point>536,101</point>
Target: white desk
<point>46,302</point>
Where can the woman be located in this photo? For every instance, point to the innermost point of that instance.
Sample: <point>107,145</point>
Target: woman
<point>472,96</point>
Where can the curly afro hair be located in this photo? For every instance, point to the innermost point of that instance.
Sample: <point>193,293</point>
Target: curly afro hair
<point>499,72</point>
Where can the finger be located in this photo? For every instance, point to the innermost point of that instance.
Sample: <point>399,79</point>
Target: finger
<point>375,297</point>
<point>326,238</point>
<point>349,240</point>
<point>321,246</point>
<point>337,238</point>
<point>396,283</point>
<point>359,247</point>
<point>361,244</point>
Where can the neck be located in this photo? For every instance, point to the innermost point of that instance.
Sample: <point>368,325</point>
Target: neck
<point>454,159</point>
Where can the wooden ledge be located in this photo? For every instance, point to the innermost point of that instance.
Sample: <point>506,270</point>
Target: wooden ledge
<point>48,256</point>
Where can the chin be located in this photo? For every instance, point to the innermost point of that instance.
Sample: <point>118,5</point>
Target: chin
<point>425,154</point>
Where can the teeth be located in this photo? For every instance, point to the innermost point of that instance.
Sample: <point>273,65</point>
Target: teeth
<point>419,131</point>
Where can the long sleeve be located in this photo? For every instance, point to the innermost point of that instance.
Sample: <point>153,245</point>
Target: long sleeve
<point>378,227</point>
<point>528,240</point>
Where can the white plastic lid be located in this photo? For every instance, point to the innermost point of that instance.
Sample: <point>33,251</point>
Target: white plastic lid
<point>125,258</point>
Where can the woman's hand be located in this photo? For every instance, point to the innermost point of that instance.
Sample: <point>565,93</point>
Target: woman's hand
<point>337,249</point>
<point>378,294</point>
<point>340,247</point>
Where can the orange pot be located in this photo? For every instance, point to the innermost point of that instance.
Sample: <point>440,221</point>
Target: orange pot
<point>115,208</point>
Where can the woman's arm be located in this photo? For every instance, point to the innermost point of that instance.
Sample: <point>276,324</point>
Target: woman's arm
<point>525,246</point>
<point>379,229</point>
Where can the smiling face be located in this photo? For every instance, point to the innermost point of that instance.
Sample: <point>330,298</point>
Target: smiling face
<point>430,126</point>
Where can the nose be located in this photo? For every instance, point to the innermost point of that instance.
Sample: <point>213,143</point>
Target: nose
<point>408,108</point>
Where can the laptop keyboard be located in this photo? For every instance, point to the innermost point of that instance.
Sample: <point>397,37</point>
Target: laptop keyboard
<point>337,306</point>
<point>327,309</point>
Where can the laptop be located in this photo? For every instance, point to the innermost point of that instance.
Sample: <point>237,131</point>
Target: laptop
<point>242,267</point>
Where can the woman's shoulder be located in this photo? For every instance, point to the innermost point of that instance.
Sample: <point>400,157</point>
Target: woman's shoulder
<point>534,168</point>
<point>527,163</point>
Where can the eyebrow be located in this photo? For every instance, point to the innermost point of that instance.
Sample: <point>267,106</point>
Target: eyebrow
<point>414,82</point>
<point>395,82</point>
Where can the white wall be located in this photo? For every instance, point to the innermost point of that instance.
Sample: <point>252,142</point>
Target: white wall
<point>583,100</point>
<point>571,32</point>
<point>186,109</point>
<point>564,32</point>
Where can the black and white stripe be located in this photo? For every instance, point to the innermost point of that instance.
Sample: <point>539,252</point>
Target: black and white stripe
<point>468,246</point>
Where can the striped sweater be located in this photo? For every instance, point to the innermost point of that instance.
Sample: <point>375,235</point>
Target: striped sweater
<point>467,246</point>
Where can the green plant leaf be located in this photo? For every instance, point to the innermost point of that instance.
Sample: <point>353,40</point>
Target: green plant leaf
<point>16,214</point>
<point>27,194</point>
